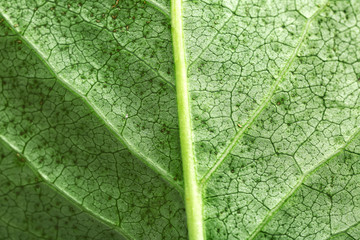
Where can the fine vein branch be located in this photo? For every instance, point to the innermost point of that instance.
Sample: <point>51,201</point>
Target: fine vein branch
<point>301,181</point>
<point>265,101</point>
<point>29,163</point>
<point>193,198</point>
<point>96,110</point>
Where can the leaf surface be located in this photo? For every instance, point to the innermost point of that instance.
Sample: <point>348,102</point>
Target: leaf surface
<point>89,119</point>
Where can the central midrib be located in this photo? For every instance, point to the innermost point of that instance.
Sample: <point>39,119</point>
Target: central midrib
<point>193,197</point>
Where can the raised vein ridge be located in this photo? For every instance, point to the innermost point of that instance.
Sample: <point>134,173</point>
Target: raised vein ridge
<point>300,182</point>
<point>193,198</point>
<point>344,231</point>
<point>159,7</point>
<point>6,143</point>
<point>135,151</point>
<point>265,101</point>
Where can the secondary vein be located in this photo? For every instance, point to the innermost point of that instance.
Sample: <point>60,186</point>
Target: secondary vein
<point>160,8</point>
<point>300,182</point>
<point>97,112</point>
<point>264,103</point>
<point>111,225</point>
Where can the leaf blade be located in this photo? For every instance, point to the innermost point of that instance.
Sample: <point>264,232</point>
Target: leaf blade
<point>76,153</point>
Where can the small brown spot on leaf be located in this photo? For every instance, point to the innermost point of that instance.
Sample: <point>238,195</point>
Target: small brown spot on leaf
<point>116,3</point>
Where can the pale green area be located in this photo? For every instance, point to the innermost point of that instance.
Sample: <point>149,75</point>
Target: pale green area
<point>36,211</point>
<point>89,138</point>
<point>193,195</point>
<point>61,137</point>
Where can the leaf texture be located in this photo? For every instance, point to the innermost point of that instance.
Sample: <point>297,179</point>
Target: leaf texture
<point>89,135</point>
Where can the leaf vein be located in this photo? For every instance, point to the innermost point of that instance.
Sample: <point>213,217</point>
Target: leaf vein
<point>97,112</point>
<point>301,182</point>
<point>264,103</point>
<point>98,218</point>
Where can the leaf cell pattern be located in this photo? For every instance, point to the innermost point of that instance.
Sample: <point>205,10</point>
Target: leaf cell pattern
<point>89,128</point>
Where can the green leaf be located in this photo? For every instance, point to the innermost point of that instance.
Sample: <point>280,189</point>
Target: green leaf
<point>35,210</point>
<point>182,119</point>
